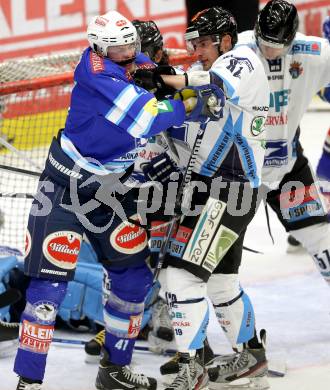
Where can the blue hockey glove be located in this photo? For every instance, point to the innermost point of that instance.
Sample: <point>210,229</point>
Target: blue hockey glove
<point>208,105</point>
<point>326,28</point>
<point>160,169</point>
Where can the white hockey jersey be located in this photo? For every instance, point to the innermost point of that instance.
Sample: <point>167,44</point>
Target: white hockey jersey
<point>235,142</point>
<point>294,80</point>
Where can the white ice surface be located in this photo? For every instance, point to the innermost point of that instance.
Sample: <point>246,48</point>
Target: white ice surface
<point>290,298</point>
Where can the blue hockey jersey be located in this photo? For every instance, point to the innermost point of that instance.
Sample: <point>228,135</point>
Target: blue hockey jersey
<point>110,117</point>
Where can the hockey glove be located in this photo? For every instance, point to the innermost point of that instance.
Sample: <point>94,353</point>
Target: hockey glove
<point>209,102</point>
<point>161,168</point>
<point>151,80</point>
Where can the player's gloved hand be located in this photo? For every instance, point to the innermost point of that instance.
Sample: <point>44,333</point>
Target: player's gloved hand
<point>326,28</point>
<point>203,104</point>
<point>151,80</point>
<point>161,169</point>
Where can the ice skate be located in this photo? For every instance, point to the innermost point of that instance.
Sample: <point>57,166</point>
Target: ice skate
<point>8,338</point>
<point>93,348</point>
<point>191,375</point>
<point>161,321</point>
<point>172,366</point>
<point>114,377</point>
<point>243,370</point>
<point>27,384</point>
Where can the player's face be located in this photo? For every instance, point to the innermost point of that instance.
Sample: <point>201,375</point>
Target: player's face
<point>206,50</point>
<point>122,52</point>
<point>272,51</point>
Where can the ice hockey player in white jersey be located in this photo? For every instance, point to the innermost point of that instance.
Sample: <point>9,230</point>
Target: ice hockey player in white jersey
<point>298,66</point>
<point>230,157</point>
<point>323,166</point>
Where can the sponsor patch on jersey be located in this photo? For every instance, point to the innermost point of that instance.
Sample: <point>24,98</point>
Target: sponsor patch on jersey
<point>62,249</point>
<point>164,106</point>
<point>277,153</point>
<point>129,238</point>
<point>275,65</point>
<point>35,337</point>
<point>222,241</point>
<point>204,231</point>
<point>27,242</point>
<point>151,107</point>
<point>179,241</point>
<point>97,63</point>
<point>134,326</point>
<point>295,69</point>
<point>258,125</point>
<point>306,47</point>
<point>44,311</point>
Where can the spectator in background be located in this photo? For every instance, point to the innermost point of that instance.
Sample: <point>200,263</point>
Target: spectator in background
<point>245,12</point>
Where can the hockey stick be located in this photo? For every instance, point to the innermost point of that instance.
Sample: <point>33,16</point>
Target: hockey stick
<point>185,180</point>
<point>279,371</point>
<point>19,171</point>
<point>19,153</point>
<point>9,297</point>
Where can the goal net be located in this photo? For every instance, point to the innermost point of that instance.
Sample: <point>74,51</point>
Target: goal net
<point>34,98</point>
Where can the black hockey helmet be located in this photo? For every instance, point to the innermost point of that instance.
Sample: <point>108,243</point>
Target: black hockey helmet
<point>150,37</point>
<point>277,23</point>
<point>212,21</point>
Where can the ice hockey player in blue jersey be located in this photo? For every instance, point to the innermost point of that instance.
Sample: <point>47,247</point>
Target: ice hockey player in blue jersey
<point>323,167</point>
<point>81,191</point>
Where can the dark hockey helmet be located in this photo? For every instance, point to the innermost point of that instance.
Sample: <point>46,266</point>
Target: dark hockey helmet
<point>215,21</point>
<point>150,37</point>
<point>277,23</point>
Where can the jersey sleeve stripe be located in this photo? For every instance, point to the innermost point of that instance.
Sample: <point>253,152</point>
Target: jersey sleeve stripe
<point>122,104</point>
<point>142,123</point>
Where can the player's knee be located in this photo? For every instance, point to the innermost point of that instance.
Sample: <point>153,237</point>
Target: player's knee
<point>131,284</point>
<point>183,284</point>
<point>223,288</point>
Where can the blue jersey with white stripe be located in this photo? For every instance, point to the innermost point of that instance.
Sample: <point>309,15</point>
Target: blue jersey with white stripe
<point>110,117</point>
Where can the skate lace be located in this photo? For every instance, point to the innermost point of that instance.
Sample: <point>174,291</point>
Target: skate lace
<point>139,379</point>
<point>100,337</point>
<point>238,362</point>
<point>9,324</point>
<point>185,374</point>
<point>164,318</point>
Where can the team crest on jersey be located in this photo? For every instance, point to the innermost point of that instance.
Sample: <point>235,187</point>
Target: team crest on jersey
<point>295,69</point>
<point>97,63</point>
<point>258,125</point>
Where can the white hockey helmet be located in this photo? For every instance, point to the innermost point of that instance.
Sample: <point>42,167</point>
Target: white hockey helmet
<point>110,29</point>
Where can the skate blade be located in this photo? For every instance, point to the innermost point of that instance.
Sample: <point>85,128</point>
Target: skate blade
<point>8,348</point>
<point>257,383</point>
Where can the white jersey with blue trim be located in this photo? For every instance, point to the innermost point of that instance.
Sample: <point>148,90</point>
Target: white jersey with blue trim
<point>232,147</point>
<point>294,79</point>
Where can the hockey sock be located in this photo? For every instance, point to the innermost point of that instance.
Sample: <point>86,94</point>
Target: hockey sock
<point>190,313</point>
<point>124,310</point>
<point>43,298</point>
<point>233,309</point>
